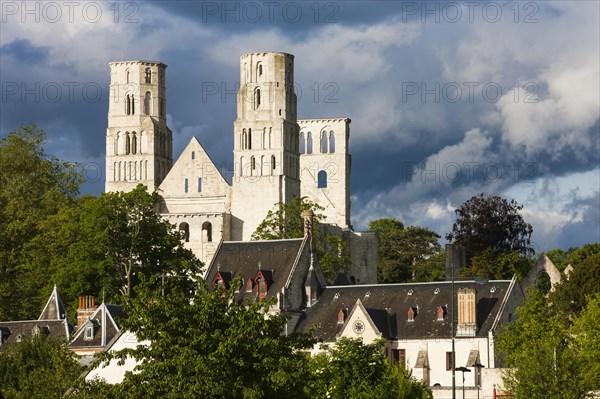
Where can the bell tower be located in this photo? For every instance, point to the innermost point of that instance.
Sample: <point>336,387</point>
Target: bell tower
<point>266,130</point>
<point>138,141</point>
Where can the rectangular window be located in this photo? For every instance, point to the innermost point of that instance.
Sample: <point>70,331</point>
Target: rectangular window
<point>88,334</point>
<point>449,360</point>
<point>399,356</point>
<point>199,184</point>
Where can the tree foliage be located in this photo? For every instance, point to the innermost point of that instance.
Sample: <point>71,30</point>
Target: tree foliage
<point>546,359</point>
<point>571,295</point>
<point>407,254</point>
<point>491,222</point>
<point>37,368</point>
<point>33,187</point>
<point>285,222</point>
<point>199,343</point>
<point>493,264</point>
<point>353,370</point>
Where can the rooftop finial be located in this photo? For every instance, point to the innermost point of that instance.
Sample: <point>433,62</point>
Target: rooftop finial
<point>259,265</point>
<point>218,267</point>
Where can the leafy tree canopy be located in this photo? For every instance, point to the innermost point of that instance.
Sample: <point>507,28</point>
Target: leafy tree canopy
<point>491,222</point>
<point>493,264</point>
<point>33,187</point>
<point>37,368</point>
<point>352,370</point>
<point>202,344</point>
<point>407,253</point>
<point>285,222</point>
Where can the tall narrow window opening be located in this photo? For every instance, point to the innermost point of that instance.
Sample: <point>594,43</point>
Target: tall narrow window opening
<point>322,179</point>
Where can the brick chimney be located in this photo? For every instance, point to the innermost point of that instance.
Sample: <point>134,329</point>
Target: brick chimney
<point>86,309</point>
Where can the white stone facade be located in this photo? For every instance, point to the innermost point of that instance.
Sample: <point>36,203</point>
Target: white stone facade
<point>276,157</point>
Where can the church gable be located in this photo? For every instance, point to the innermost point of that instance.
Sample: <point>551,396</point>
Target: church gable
<point>194,175</point>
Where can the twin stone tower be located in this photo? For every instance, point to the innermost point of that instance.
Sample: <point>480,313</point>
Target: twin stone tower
<point>276,157</point>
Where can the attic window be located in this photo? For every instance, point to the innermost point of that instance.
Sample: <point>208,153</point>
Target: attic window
<point>249,285</point>
<point>441,312</point>
<point>261,288</point>
<point>341,317</point>
<point>411,314</point>
<point>88,333</point>
<point>19,338</point>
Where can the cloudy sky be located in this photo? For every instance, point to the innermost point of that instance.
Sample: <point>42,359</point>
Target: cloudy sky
<point>447,99</point>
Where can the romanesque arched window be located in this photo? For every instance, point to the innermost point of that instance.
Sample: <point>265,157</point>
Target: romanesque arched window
<point>199,184</point>
<point>252,166</point>
<point>264,138</point>
<point>127,76</point>
<point>323,142</point>
<point>133,143</point>
<point>147,101</point>
<point>331,142</point>
<point>257,98</point>
<point>118,140</point>
<point>302,143</point>
<point>184,228</point>
<point>309,143</point>
<point>244,139</point>
<point>322,179</point>
<point>127,143</point>
<point>259,69</point>
<point>185,185</point>
<point>249,138</point>
<point>273,161</point>
<point>206,232</point>
<point>148,75</point>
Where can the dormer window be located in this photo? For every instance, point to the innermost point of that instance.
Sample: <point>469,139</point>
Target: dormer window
<point>341,317</point>
<point>261,288</point>
<point>88,333</point>
<point>249,285</point>
<point>411,314</point>
<point>441,312</point>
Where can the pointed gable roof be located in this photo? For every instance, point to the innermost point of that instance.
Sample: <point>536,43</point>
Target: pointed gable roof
<point>105,328</point>
<point>54,309</point>
<point>193,163</point>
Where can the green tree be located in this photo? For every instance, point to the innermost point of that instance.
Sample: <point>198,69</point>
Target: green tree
<point>33,187</point>
<point>285,222</point>
<point>352,370</point>
<point>586,333</point>
<point>37,368</point>
<point>407,254</point>
<point>572,256</point>
<point>493,264</point>
<point>200,343</point>
<point>538,353</point>
<point>100,245</point>
<point>571,295</point>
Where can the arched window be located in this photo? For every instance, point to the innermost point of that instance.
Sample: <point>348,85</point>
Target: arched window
<point>184,228</point>
<point>118,140</point>
<point>185,185</point>
<point>249,138</point>
<point>264,138</point>
<point>127,75</point>
<point>257,98</point>
<point>148,76</point>
<point>130,105</point>
<point>127,143</point>
<point>273,162</point>
<point>331,142</point>
<point>309,143</point>
<point>133,143</point>
<point>270,136</point>
<point>302,143</point>
<point>322,179</point>
<point>199,184</point>
<point>259,69</point>
<point>249,285</point>
<point>147,100</point>
<point>206,232</point>
<point>193,154</point>
<point>323,142</point>
<point>244,139</point>
<point>252,166</point>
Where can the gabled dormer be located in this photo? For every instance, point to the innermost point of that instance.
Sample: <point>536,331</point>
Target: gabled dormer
<point>410,314</point>
<point>222,280</point>
<point>262,281</point>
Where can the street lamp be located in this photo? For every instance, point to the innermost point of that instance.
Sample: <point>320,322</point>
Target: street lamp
<point>464,370</point>
<point>478,366</point>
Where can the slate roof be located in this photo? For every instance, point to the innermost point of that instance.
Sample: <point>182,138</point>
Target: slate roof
<point>103,335</point>
<point>53,322</point>
<point>241,258</point>
<point>388,304</point>
<point>13,331</point>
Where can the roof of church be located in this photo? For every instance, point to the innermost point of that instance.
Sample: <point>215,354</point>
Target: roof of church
<point>388,305</point>
<point>274,258</point>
